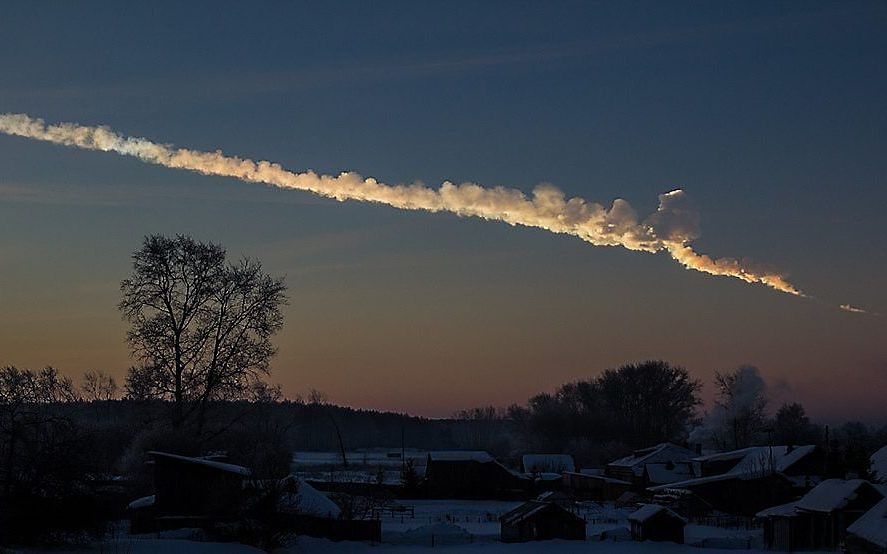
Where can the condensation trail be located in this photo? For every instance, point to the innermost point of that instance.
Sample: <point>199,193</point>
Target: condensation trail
<point>671,228</point>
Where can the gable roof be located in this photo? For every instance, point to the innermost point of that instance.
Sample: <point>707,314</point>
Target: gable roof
<point>534,463</point>
<point>828,496</point>
<point>872,526</point>
<point>665,451</point>
<point>647,511</point>
<point>751,463</point>
<point>832,494</point>
<point>531,508</point>
<point>205,462</point>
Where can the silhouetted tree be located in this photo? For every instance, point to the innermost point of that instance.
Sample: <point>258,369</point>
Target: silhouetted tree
<point>792,426</point>
<point>201,326</point>
<point>98,387</point>
<point>636,404</point>
<point>652,401</point>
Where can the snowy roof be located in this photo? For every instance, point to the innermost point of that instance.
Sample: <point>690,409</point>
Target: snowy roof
<point>879,464</point>
<point>598,477</point>
<point>647,511</point>
<point>831,494</point>
<point>552,463</point>
<point>460,456</point>
<point>663,452</point>
<point>230,468</point>
<point>309,501</point>
<point>142,502</point>
<point>531,508</point>
<point>752,462</point>
<point>872,526</point>
<point>828,496</point>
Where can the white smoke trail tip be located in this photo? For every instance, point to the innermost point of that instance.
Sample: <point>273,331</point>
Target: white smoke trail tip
<point>855,310</point>
<point>671,228</point>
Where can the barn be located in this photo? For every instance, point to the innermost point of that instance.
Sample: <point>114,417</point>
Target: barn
<point>538,520</point>
<point>652,522</point>
<point>472,474</point>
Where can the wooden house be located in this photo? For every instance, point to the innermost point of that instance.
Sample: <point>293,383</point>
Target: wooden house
<point>652,522</point>
<point>632,468</point>
<point>538,521</point>
<point>746,481</point>
<point>189,492</point>
<point>820,519</point>
<point>472,474</point>
<point>593,486</point>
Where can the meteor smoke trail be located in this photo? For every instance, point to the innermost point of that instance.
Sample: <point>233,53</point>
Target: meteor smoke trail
<point>671,228</point>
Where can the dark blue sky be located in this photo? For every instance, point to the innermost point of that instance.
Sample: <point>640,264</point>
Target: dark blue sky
<point>771,115</point>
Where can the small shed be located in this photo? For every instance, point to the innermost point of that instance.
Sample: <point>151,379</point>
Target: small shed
<point>652,522</point>
<point>539,521</point>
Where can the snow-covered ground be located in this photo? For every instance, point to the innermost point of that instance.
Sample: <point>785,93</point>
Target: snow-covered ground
<point>470,526</point>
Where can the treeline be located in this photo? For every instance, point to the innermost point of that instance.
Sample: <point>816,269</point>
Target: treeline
<point>637,405</point>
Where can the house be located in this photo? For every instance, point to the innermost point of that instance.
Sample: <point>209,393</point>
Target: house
<point>593,486</point>
<point>652,522</point>
<point>868,534</point>
<point>632,468</point>
<point>547,463</point>
<point>748,480</point>
<point>538,520</point>
<point>820,519</point>
<point>188,492</point>
<point>472,474</point>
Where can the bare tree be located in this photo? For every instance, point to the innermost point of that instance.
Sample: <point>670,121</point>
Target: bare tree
<point>200,326</point>
<point>98,387</point>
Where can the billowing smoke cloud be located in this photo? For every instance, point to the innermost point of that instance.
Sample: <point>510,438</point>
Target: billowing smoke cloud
<point>671,228</point>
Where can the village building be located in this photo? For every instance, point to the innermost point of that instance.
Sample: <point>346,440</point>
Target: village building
<point>472,474</point>
<point>632,468</point>
<point>539,520</point>
<point>593,486</point>
<point>188,492</point>
<point>868,534</point>
<point>748,480</point>
<point>820,519</point>
<point>652,522</point>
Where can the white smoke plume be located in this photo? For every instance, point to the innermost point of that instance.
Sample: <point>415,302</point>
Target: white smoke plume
<point>671,228</point>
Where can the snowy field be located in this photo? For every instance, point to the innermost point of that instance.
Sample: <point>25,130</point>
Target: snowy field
<point>455,526</point>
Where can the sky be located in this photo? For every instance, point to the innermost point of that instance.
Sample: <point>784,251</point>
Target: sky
<point>771,116</point>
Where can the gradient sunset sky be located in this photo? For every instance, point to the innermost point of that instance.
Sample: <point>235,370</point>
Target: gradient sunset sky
<point>772,116</point>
